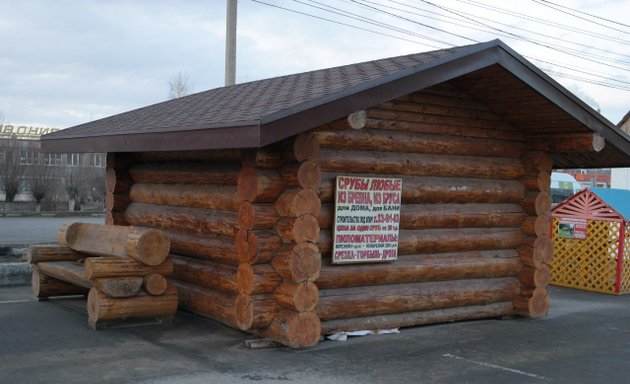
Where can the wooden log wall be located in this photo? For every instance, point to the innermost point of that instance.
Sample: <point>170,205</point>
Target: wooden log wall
<point>465,213</point>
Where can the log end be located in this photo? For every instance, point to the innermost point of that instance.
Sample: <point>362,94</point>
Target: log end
<point>245,278</point>
<point>149,247</point>
<point>295,329</point>
<point>246,246</point>
<point>155,284</point>
<point>244,312</point>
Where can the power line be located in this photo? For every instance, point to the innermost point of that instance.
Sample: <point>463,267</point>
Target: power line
<point>557,7</point>
<point>588,14</point>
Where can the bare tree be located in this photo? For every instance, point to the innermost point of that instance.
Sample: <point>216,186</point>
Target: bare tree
<point>41,180</point>
<point>179,86</point>
<point>83,183</point>
<point>11,168</point>
<point>73,179</point>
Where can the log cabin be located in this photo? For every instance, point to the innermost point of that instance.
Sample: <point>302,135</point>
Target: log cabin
<point>243,180</point>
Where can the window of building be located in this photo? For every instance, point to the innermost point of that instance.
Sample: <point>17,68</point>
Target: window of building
<point>97,160</point>
<point>74,159</point>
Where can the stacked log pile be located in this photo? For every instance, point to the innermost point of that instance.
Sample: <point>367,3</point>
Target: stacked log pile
<point>121,269</point>
<point>461,213</point>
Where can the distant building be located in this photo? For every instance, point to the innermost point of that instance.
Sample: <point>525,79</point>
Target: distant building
<point>89,167</point>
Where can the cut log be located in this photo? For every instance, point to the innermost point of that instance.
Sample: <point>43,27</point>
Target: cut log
<point>119,287</point>
<point>259,185</point>
<point>154,284</point>
<point>532,302</point>
<point>117,181</point>
<point>299,263</point>
<point>307,175</point>
<point>432,190</point>
<point>257,216</point>
<point>538,182</point>
<point>185,173</point>
<point>102,308</point>
<point>257,279</point>
<point>50,252</point>
<point>536,226</point>
<point>297,202</point>
<point>305,147</point>
<point>357,120</point>
<point>46,286</point>
<point>439,120</point>
<point>257,247</point>
<point>148,246</point>
<point>569,143</point>
<point>195,220</point>
<point>410,319</point>
<point>450,240</point>
<point>384,299</point>
<point>534,277</point>
<point>219,306</point>
<point>301,229</point>
<point>536,250</point>
<point>420,268</point>
<point>294,329</point>
<point>301,297</point>
<point>207,274</point>
<point>537,204</point>
<point>392,141</point>
<point>264,309</point>
<point>220,197</point>
<point>97,267</point>
<point>537,161</point>
<point>391,163</point>
<point>421,216</point>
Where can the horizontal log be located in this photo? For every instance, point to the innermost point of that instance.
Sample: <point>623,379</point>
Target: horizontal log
<point>230,309</point>
<point>206,246</point>
<point>453,130</point>
<point>103,308</point>
<point>420,164</point>
<point>257,247</point>
<point>261,157</point>
<point>378,140</point>
<point>207,274</point>
<point>536,226</point>
<point>298,230</point>
<point>46,286</point>
<point>298,263</point>
<point>68,271</point>
<point>195,220</point>
<point>220,197</point>
<point>257,216</point>
<point>51,252</point>
<point>384,299</point>
<point>301,297</point>
<point>420,268</point>
<point>145,245</point>
<point>415,117</point>
<point>410,319</point>
<point>264,309</point>
<point>294,329</point>
<point>568,143</point>
<point>297,202</point>
<point>259,185</point>
<point>537,161</point>
<point>257,279</point>
<point>185,173</point>
<point>421,216</point>
<point>97,267</point>
<point>460,111</point>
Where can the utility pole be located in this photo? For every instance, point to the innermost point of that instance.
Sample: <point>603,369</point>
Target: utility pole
<point>230,43</point>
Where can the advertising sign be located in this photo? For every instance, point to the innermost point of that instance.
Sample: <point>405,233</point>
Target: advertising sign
<point>572,228</point>
<point>367,216</point>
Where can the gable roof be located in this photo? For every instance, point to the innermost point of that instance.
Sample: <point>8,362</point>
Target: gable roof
<point>259,113</point>
<point>596,204</point>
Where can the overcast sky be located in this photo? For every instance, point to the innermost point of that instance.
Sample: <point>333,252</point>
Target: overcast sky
<point>64,63</point>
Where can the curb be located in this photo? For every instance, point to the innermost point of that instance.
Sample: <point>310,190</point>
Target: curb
<point>15,274</point>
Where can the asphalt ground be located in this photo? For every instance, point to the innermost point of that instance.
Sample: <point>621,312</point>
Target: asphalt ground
<point>37,229</point>
<point>585,339</point>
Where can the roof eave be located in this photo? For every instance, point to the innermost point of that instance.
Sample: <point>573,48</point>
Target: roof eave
<point>247,136</point>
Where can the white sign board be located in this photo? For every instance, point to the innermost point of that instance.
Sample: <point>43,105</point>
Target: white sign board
<point>367,216</point>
